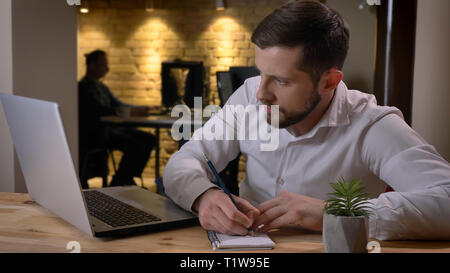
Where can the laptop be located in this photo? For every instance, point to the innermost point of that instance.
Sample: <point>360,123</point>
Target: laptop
<point>41,146</point>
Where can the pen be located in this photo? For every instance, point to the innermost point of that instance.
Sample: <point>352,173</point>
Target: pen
<point>224,188</point>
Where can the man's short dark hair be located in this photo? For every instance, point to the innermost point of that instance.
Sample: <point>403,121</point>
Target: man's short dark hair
<point>320,31</point>
<point>93,56</point>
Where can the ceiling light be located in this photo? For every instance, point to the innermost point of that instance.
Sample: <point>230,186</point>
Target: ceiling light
<point>220,4</point>
<point>149,5</point>
<point>84,7</point>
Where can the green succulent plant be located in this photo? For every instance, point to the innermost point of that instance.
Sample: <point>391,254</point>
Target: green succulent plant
<point>348,199</point>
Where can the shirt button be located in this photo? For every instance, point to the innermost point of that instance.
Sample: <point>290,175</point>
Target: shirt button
<point>280,181</point>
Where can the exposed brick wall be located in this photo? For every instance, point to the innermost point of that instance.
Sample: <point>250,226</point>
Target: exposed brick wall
<point>138,41</point>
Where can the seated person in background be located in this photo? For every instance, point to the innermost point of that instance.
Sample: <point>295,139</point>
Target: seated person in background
<point>325,131</point>
<point>96,100</point>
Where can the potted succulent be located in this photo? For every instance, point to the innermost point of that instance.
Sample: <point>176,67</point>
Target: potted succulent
<point>345,220</point>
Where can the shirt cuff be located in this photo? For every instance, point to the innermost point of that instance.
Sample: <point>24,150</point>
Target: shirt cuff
<point>196,189</point>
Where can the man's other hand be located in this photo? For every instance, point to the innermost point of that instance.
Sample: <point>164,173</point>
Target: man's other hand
<point>290,209</point>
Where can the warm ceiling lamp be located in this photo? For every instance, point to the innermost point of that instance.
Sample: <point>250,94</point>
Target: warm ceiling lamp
<point>149,5</point>
<point>220,4</point>
<point>84,7</point>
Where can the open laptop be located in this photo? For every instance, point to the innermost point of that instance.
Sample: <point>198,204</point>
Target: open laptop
<point>41,146</point>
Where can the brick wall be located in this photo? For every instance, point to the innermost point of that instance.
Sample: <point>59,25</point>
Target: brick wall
<point>138,41</point>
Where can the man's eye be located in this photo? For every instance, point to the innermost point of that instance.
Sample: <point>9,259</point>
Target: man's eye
<point>280,82</point>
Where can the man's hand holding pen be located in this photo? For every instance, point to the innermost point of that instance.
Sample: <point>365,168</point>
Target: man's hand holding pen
<point>217,212</point>
<point>221,211</point>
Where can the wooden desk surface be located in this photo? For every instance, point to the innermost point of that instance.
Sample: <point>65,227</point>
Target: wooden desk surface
<point>27,227</point>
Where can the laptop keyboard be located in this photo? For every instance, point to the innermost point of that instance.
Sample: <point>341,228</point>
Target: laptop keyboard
<point>114,212</point>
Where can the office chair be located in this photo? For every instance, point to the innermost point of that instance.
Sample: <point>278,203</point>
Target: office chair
<point>227,83</point>
<point>94,163</point>
<point>224,86</point>
<point>241,73</point>
<point>229,175</point>
<point>94,159</point>
<point>115,169</point>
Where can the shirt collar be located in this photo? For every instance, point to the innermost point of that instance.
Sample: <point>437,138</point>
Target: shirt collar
<point>336,115</point>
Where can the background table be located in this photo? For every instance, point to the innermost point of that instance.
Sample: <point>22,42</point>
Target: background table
<point>27,227</point>
<point>153,121</point>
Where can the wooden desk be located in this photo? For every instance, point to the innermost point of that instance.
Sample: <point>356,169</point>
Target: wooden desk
<point>27,227</point>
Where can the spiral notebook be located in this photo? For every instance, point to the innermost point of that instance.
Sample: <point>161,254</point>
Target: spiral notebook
<point>221,241</point>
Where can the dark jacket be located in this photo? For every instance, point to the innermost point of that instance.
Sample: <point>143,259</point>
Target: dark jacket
<point>94,101</point>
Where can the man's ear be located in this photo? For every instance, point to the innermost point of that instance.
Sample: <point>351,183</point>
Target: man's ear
<point>330,80</point>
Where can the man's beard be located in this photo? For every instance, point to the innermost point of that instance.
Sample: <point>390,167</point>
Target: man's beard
<point>294,118</point>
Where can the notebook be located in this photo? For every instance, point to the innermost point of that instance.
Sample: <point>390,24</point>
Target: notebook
<point>221,241</point>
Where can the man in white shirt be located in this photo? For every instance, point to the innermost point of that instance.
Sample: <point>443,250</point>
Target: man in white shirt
<point>325,132</point>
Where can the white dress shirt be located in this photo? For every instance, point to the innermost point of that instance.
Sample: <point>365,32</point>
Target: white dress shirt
<point>355,138</point>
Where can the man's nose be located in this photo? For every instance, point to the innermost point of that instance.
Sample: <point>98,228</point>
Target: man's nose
<point>264,94</point>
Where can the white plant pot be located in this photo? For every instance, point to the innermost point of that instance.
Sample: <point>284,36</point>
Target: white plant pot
<point>345,234</point>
